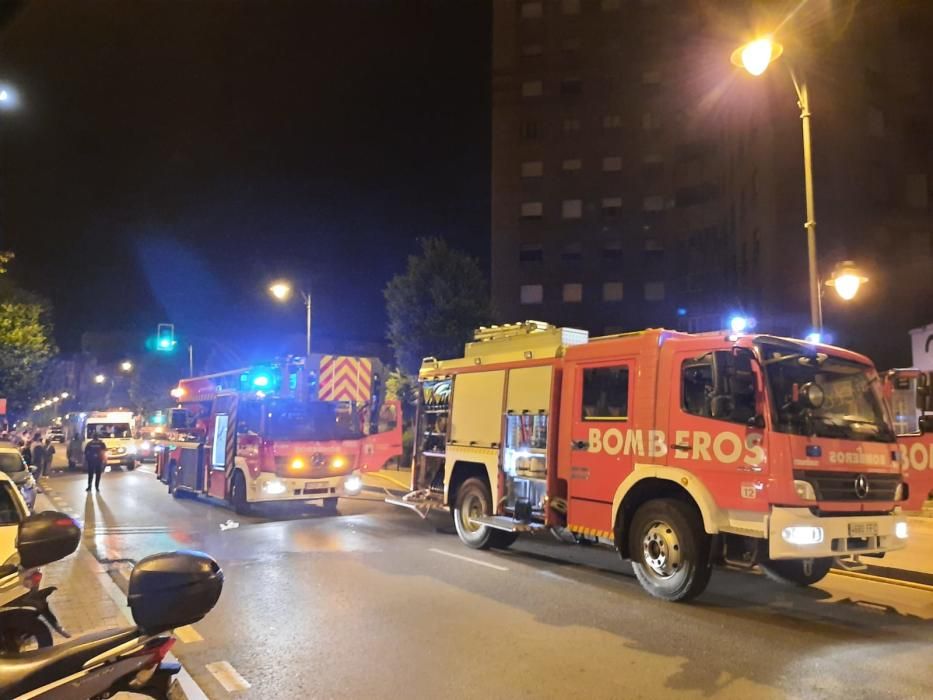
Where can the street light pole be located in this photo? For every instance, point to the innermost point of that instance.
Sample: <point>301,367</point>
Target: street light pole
<point>306,297</point>
<point>803,101</point>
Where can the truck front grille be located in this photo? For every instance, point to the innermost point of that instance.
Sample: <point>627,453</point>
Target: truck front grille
<point>843,486</point>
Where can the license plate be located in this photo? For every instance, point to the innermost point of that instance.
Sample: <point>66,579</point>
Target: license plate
<point>315,485</point>
<point>863,529</point>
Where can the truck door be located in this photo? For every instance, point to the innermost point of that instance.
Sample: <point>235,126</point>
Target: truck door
<point>221,444</point>
<point>604,448</point>
<point>717,424</point>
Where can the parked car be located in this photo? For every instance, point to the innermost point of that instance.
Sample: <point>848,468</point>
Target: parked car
<point>14,466</point>
<point>56,434</point>
<point>13,510</point>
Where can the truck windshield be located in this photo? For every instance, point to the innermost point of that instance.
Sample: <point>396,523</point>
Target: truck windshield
<point>852,408</point>
<point>108,430</point>
<point>317,420</point>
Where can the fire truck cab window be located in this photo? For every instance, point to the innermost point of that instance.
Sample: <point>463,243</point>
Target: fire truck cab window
<point>605,393</point>
<point>249,416</point>
<point>734,399</point>
<point>698,386</point>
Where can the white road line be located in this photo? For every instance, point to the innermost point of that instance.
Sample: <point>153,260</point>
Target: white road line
<point>472,561</point>
<point>227,676</point>
<point>188,634</point>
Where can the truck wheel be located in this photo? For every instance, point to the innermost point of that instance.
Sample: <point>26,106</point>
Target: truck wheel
<point>473,499</point>
<point>131,465</point>
<point>670,550</point>
<point>238,495</point>
<point>797,572</point>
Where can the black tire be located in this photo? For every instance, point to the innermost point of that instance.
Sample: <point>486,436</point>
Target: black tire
<point>670,550</point>
<point>238,495</point>
<point>26,636</point>
<point>130,466</point>
<point>797,572</point>
<point>473,498</point>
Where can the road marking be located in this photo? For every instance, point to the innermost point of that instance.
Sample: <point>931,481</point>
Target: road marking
<point>227,676</point>
<point>882,579</point>
<point>472,561</point>
<point>188,634</point>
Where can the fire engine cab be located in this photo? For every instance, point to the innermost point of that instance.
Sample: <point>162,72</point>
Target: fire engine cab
<point>259,434</point>
<point>678,450</point>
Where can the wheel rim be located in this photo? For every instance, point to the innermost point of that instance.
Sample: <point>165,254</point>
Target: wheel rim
<point>661,549</point>
<point>472,507</point>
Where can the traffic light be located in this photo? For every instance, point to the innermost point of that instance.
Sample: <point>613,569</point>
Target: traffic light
<point>165,337</point>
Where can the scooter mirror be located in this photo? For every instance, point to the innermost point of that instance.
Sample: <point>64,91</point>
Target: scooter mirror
<point>46,537</point>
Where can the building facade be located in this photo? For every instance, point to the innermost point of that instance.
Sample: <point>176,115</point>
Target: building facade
<point>639,179</point>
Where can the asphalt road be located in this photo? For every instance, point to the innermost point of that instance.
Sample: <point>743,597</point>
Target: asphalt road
<point>377,603</point>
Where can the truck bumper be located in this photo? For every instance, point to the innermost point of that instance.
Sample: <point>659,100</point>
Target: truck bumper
<point>269,487</point>
<point>796,533</point>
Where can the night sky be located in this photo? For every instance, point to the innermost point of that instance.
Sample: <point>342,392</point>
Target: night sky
<point>171,157</point>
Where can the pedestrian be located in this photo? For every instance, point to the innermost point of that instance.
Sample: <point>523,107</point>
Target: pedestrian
<point>49,452</point>
<point>95,454</point>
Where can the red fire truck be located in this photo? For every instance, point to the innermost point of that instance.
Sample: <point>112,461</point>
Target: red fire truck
<point>678,450</point>
<point>910,392</point>
<point>264,433</point>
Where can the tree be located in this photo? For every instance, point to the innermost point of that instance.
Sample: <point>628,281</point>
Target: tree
<point>434,307</point>
<point>25,347</point>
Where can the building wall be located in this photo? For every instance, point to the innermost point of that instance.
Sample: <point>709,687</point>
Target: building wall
<point>626,149</point>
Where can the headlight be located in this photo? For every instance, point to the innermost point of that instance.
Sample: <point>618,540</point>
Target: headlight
<point>900,530</point>
<point>353,484</point>
<point>131,450</point>
<point>804,490</point>
<point>273,487</point>
<point>118,450</point>
<point>802,534</point>
<point>145,445</point>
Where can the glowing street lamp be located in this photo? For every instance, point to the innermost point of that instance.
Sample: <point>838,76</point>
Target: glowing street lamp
<point>126,366</point>
<point>99,379</point>
<point>755,57</point>
<point>846,280</point>
<point>282,290</point>
<point>9,98</point>
<point>65,394</point>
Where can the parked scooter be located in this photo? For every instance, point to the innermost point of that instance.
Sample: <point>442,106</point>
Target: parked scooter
<point>25,615</point>
<point>165,591</point>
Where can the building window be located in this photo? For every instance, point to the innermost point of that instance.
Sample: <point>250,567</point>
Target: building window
<point>572,44</point>
<point>532,168</point>
<point>918,191</point>
<point>612,206</point>
<point>573,293</point>
<point>532,10</point>
<point>571,86</point>
<point>572,164</point>
<point>651,77</point>
<point>530,252</point>
<point>610,5</point>
<point>654,291</point>
<point>532,210</point>
<point>875,121</point>
<point>612,250</point>
<point>571,209</point>
<point>532,50</point>
<point>532,88</point>
<point>612,164</point>
<point>530,130</point>
<point>612,291</point>
<point>570,125</point>
<point>570,7</point>
<point>605,393</point>
<point>532,294</point>
<point>572,252</point>
<point>654,202</point>
<point>612,121</point>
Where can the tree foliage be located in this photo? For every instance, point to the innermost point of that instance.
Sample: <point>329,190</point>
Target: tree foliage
<point>26,347</point>
<point>435,305</point>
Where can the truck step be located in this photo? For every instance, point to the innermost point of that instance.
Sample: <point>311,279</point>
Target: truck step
<point>421,501</point>
<point>501,522</point>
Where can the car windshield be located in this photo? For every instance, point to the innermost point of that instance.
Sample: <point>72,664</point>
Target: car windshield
<point>852,408</point>
<point>11,462</point>
<point>109,430</point>
<point>319,420</point>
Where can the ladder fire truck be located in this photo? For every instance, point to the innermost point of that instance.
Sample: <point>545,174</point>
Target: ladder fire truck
<point>277,432</point>
<point>678,450</point>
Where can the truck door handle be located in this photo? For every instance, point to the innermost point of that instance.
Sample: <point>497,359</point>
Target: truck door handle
<point>682,446</point>
<point>754,468</point>
<point>579,444</point>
